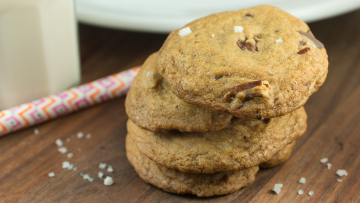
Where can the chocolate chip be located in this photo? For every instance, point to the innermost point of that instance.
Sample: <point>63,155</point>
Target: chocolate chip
<point>247,46</point>
<point>308,84</point>
<point>303,51</point>
<point>218,77</point>
<point>312,38</point>
<point>277,31</point>
<point>252,96</point>
<point>177,106</point>
<point>249,15</point>
<point>302,43</point>
<point>246,86</point>
<point>229,98</point>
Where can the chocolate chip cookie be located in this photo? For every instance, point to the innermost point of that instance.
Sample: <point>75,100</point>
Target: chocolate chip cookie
<point>254,63</point>
<point>151,104</point>
<point>171,180</point>
<point>241,146</point>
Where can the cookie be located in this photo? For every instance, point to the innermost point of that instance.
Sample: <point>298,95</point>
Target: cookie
<point>241,146</point>
<point>254,63</point>
<point>151,104</point>
<point>280,157</point>
<point>171,180</point>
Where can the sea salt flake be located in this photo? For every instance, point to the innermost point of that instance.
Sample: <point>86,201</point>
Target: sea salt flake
<point>339,180</point>
<point>88,136</point>
<point>150,74</point>
<point>62,150</point>
<point>86,176</point>
<point>271,73</point>
<point>51,174</point>
<point>185,31</point>
<point>212,35</point>
<point>311,193</point>
<point>110,169</point>
<point>36,131</point>
<point>341,172</point>
<point>80,135</point>
<point>300,192</point>
<point>329,165</point>
<point>323,160</point>
<point>59,142</point>
<point>69,155</point>
<point>108,180</point>
<point>238,29</point>
<point>279,40</point>
<point>302,180</point>
<point>100,174</point>
<point>277,188</point>
<point>102,165</point>
<point>65,164</point>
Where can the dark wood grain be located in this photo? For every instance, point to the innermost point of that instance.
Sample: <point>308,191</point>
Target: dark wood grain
<point>333,131</point>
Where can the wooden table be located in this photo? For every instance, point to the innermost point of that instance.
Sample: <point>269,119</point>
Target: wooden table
<point>333,132</point>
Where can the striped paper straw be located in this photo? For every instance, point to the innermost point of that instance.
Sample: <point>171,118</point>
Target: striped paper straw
<point>65,102</point>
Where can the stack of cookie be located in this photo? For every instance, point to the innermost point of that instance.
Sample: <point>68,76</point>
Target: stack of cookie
<point>222,96</point>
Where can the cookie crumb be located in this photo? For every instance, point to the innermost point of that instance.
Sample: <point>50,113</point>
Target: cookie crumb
<point>102,165</point>
<point>51,174</point>
<point>329,165</point>
<point>341,172</point>
<point>238,29</point>
<point>185,31</point>
<point>108,180</point>
<point>36,131</point>
<point>279,40</point>
<point>88,136</point>
<point>300,192</point>
<point>69,155</point>
<point>150,74</point>
<point>323,160</point>
<point>311,193</point>
<point>339,180</point>
<point>212,35</point>
<point>271,73</point>
<point>110,169</point>
<point>80,135</point>
<point>59,142</point>
<point>100,174</point>
<point>62,150</point>
<point>277,188</point>
<point>302,180</point>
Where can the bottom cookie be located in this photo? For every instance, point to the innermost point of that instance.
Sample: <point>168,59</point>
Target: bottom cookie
<point>171,180</point>
<point>280,157</point>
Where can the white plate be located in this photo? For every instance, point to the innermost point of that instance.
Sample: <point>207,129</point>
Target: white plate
<point>163,16</point>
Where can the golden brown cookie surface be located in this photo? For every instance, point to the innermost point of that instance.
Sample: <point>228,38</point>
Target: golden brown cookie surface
<point>151,104</point>
<point>259,62</point>
<point>171,180</point>
<point>240,146</point>
<point>279,157</point>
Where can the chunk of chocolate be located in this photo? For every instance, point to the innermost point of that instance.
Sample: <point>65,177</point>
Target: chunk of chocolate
<point>312,38</point>
<point>249,15</point>
<point>246,86</point>
<point>218,77</point>
<point>229,98</point>
<point>252,96</point>
<point>304,50</point>
<point>246,46</point>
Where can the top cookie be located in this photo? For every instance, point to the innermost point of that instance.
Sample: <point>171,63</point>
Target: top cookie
<point>253,63</point>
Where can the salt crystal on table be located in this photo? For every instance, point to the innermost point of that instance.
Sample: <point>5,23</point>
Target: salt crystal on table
<point>108,180</point>
<point>341,172</point>
<point>277,188</point>
<point>102,165</point>
<point>62,150</point>
<point>323,160</point>
<point>110,169</point>
<point>59,142</point>
<point>51,174</point>
<point>80,135</point>
<point>100,174</point>
<point>302,180</point>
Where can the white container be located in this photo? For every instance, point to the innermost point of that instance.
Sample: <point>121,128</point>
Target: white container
<point>38,49</point>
